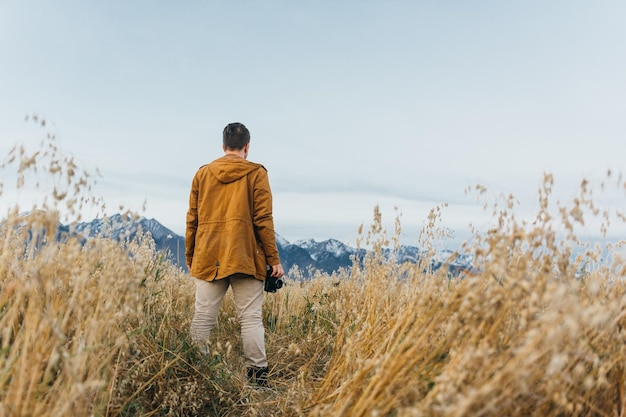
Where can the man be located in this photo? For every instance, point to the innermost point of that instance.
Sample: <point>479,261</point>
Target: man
<point>230,241</point>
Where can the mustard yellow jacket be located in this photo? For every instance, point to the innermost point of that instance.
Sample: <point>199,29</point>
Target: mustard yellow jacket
<point>230,227</point>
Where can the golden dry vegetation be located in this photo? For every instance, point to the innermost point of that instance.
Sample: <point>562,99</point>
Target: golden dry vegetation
<point>101,328</point>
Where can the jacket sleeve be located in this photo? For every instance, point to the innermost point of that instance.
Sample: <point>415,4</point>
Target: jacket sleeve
<point>262,217</point>
<point>192,221</point>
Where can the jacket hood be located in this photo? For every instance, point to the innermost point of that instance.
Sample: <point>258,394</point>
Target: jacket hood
<point>231,168</point>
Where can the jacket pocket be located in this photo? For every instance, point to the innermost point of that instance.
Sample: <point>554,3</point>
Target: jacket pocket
<point>260,263</point>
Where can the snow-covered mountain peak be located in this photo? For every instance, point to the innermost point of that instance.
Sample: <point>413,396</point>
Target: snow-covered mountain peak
<point>281,241</point>
<point>332,246</point>
<point>155,228</point>
<point>306,243</point>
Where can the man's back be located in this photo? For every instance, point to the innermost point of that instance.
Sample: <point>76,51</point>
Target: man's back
<point>231,203</point>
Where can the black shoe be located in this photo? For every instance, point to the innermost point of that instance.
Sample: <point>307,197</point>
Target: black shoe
<point>258,376</point>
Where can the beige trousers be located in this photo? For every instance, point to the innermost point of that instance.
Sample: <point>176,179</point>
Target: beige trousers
<point>248,294</point>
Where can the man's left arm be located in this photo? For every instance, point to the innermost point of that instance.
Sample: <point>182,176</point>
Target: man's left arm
<point>262,217</point>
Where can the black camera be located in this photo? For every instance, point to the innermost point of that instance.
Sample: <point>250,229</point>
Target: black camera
<point>272,283</point>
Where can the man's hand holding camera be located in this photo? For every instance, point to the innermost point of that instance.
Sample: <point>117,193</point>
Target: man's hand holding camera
<point>273,281</point>
<point>277,271</point>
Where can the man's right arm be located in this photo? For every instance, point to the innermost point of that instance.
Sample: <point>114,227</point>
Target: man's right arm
<point>192,222</point>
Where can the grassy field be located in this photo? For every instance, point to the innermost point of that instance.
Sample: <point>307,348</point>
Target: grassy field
<point>102,328</point>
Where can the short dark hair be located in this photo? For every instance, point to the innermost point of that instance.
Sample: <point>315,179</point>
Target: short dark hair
<point>236,136</point>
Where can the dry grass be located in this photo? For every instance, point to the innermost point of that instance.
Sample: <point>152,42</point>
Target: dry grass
<point>102,328</point>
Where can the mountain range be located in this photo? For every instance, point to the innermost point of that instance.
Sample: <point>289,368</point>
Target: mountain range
<point>308,255</point>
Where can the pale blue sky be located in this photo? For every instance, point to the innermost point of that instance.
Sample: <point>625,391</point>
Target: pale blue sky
<point>350,103</point>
